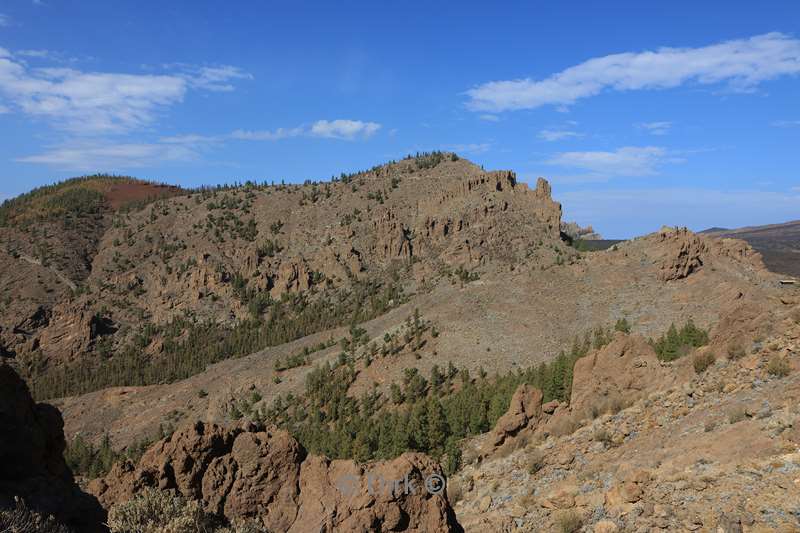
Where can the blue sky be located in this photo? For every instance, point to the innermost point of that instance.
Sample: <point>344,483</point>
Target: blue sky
<point>641,115</point>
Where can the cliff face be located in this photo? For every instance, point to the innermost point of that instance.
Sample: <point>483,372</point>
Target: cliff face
<point>32,465</point>
<point>261,474</point>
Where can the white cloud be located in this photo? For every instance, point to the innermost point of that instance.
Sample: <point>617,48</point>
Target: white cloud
<point>472,148</point>
<point>621,213</point>
<point>216,78</point>
<point>489,117</point>
<point>111,157</point>
<point>557,135</point>
<point>4,109</point>
<point>38,54</point>
<point>655,128</point>
<point>5,20</point>
<point>97,102</point>
<point>267,135</point>
<point>343,129</point>
<point>786,123</point>
<point>625,161</point>
<point>742,63</point>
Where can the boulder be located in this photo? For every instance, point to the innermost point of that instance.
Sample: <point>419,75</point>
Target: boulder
<point>524,411</point>
<point>265,474</point>
<point>617,374</point>
<point>32,465</point>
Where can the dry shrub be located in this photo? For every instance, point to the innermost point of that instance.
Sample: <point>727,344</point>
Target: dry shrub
<point>535,461</point>
<point>23,520</point>
<point>736,351</point>
<point>155,511</point>
<point>455,490</point>
<point>602,435</point>
<point>563,425</point>
<point>609,405</point>
<point>737,414</point>
<point>778,366</point>
<point>568,522</point>
<point>702,361</point>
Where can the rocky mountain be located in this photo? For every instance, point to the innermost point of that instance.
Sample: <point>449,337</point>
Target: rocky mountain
<point>214,259</point>
<point>235,352</point>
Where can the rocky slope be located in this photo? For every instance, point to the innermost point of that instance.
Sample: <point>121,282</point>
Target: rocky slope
<point>650,446</point>
<point>505,320</point>
<point>779,244</point>
<point>222,256</point>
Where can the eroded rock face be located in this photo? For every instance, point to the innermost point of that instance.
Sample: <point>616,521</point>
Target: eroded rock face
<point>621,371</point>
<point>32,464</point>
<point>524,411</point>
<point>686,253</point>
<point>250,472</point>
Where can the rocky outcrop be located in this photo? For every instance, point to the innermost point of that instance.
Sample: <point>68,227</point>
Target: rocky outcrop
<point>685,256</point>
<point>524,411</point>
<point>622,371</point>
<point>32,464</point>
<point>575,231</point>
<point>251,472</point>
<point>685,253</point>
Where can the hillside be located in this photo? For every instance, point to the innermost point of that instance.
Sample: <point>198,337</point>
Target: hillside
<point>237,269</point>
<point>322,327</point>
<point>779,244</point>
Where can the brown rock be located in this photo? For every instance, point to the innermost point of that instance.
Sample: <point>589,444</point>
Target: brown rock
<point>32,463</point>
<point>248,472</point>
<point>550,407</point>
<point>525,410</point>
<point>605,526</point>
<point>623,370</point>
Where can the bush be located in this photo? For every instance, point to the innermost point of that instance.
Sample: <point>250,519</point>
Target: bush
<point>735,351</point>
<point>778,366</point>
<point>568,522</point>
<point>535,461</point>
<point>23,520</point>
<point>155,511</point>
<point>622,325</point>
<point>737,414</point>
<point>702,361</point>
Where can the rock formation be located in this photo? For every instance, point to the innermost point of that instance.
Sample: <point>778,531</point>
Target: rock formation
<point>524,411</point>
<point>620,372</point>
<point>250,472</point>
<point>32,465</point>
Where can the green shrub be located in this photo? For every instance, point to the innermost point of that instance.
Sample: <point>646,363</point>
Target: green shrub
<point>702,361</point>
<point>622,325</point>
<point>155,511</point>
<point>675,343</point>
